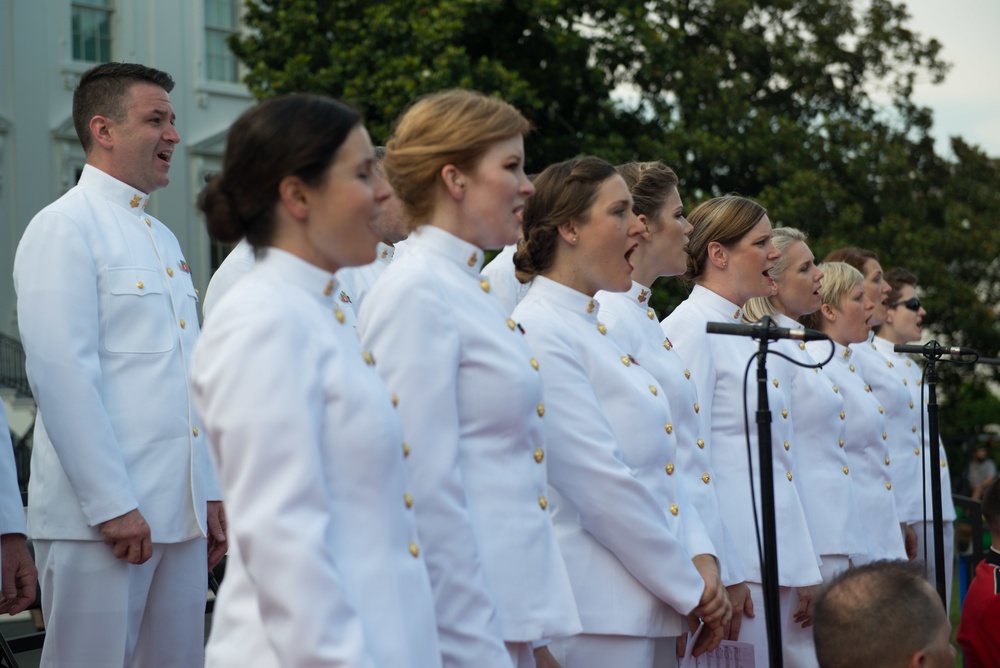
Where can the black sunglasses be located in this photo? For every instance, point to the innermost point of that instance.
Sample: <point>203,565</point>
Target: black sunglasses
<point>913,303</point>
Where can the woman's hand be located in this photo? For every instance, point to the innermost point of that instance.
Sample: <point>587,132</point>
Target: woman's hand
<point>714,608</point>
<point>739,596</point>
<point>803,614</point>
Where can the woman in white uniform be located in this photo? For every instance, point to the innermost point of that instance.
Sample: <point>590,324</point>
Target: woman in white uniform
<point>902,417</point>
<point>632,321</point>
<point>618,505</point>
<point>822,470</point>
<point>324,561</point>
<point>844,317</point>
<point>468,388</point>
<point>729,256</point>
<point>903,324</point>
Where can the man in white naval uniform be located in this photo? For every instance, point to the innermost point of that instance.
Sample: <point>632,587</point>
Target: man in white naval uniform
<point>19,576</point>
<point>124,507</point>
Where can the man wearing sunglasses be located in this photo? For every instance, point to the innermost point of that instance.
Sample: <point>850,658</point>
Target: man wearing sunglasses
<point>904,324</point>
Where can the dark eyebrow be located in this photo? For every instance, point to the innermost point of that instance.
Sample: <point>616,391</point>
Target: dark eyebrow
<point>163,112</point>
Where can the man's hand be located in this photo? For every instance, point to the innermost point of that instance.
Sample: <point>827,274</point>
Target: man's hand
<point>218,543</point>
<point>20,577</point>
<point>739,596</point>
<point>909,541</point>
<point>129,537</point>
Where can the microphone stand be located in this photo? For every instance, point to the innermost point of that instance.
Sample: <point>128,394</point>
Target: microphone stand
<point>764,331</point>
<point>932,427</point>
<point>769,569</point>
<point>932,352</point>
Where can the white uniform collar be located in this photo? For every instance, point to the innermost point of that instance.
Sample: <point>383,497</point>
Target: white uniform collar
<point>841,352</point>
<point>317,282</point>
<point>566,297</point>
<point>728,311</point>
<point>782,320</point>
<point>385,252</point>
<point>110,188</point>
<point>884,346</point>
<point>639,294</point>
<point>468,257</point>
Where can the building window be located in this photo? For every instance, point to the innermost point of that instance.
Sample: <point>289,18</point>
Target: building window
<point>220,23</point>
<point>92,31</point>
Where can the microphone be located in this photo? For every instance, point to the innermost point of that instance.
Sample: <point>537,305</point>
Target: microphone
<point>932,348</point>
<point>770,333</point>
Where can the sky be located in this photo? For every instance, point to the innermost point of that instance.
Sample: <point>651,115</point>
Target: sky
<point>968,102</point>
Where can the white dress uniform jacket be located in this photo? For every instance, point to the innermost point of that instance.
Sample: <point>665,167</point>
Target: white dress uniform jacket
<point>503,282</point>
<point>470,398</point>
<point>868,455</point>
<point>612,471</point>
<point>324,563</point>
<point>822,469</point>
<point>11,508</point>
<point>358,281</point>
<point>902,423</point>
<point>240,262</point>
<point>911,375</point>
<point>631,320</point>
<point>108,318</point>
<point>718,364</point>
<point>237,264</point>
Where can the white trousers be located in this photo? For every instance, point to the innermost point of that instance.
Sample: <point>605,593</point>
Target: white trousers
<point>522,654</point>
<point>798,648</point>
<point>925,536</point>
<point>101,612</point>
<point>832,566</point>
<point>604,651</point>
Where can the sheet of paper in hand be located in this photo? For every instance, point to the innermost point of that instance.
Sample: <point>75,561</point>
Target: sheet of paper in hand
<point>728,654</point>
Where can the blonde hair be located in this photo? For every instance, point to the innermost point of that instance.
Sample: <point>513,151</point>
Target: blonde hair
<point>839,278</point>
<point>723,219</point>
<point>452,127</point>
<point>782,238</point>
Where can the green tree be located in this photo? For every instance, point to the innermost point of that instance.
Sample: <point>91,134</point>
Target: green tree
<point>380,56</point>
<point>772,99</point>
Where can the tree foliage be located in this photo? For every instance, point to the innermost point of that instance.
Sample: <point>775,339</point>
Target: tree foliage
<point>805,105</point>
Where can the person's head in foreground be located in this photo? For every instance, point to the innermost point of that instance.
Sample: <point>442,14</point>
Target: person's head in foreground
<point>882,615</point>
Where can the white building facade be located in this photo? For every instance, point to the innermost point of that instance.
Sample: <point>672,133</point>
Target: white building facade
<point>44,47</point>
